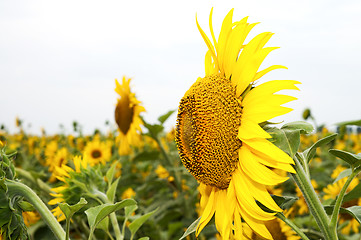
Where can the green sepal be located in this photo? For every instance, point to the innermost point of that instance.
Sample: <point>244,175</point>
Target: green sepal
<point>26,206</point>
<point>287,138</point>
<point>191,229</point>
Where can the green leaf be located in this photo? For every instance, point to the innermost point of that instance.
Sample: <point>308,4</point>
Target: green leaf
<point>352,159</point>
<point>284,202</point>
<point>164,117</point>
<point>343,174</point>
<point>70,210</point>
<point>355,122</point>
<point>310,152</point>
<point>354,211</point>
<point>137,223</point>
<point>355,193</point>
<point>287,138</point>
<point>303,127</point>
<point>129,210</point>
<point>144,238</point>
<point>191,229</point>
<point>112,189</point>
<point>98,213</point>
<point>110,173</point>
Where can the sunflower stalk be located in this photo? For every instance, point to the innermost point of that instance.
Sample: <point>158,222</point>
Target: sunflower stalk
<point>292,225</point>
<point>312,200</point>
<point>17,188</point>
<point>336,209</point>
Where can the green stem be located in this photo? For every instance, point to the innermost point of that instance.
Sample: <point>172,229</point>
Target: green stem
<point>67,228</point>
<point>113,219</point>
<point>25,174</point>
<point>23,190</point>
<point>292,225</point>
<point>312,200</point>
<point>336,209</point>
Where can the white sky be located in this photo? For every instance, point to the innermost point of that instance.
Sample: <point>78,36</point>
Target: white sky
<point>59,59</point>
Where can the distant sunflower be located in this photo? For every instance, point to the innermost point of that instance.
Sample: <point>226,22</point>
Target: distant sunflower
<point>97,152</point>
<point>127,117</point>
<point>219,137</point>
<point>62,173</point>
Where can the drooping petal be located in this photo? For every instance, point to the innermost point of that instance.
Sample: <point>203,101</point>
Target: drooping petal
<point>207,213</point>
<point>258,172</point>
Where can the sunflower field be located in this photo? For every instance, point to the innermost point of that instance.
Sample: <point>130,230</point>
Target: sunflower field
<point>224,171</point>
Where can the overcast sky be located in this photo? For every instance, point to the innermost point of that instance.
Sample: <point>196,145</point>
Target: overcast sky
<point>59,59</point>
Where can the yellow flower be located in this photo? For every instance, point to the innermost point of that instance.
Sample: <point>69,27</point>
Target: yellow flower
<point>162,172</point>
<point>97,152</point>
<point>219,137</point>
<point>60,158</point>
<point>30,217</point>
<point>128,193</point>
<point>127,117</point>
<point>333,190</point>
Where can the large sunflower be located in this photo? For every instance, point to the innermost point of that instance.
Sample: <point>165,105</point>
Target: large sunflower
<point>219,137</point>
<point>127,117</point>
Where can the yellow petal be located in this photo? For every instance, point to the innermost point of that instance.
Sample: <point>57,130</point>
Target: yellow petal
<point>267,70</point>
<point>262,195</point>
<point>263,147</point>
<point>222,214</point>
<point>256,225</point>
<point>245,198</point>
<point>249,129</point>
<point>207,213</point>
<point>257,171</point>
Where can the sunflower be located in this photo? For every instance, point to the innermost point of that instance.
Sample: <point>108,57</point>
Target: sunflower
<point>97,152</point>
<point>127,117</point>
<point>61,174</point>
<point>218,134</point>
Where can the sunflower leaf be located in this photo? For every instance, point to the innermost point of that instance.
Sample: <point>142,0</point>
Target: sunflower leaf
<point>137,223</point>
<point>355,193</point>
<point>191,229</point>
<point>355,122</point>
<point>353,159</point>
<point>310,152</point>
<point>98,213</point>
<point>164,117</point>
<point>69,210</point>
<point>354,211</point>
<point>303,127</point>
<point>343,174</point>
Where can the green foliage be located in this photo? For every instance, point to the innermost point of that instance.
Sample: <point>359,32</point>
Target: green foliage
<point>97,214</point>
<point>191,229</point>
<point>287,137</point>
<point>353,159</point>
